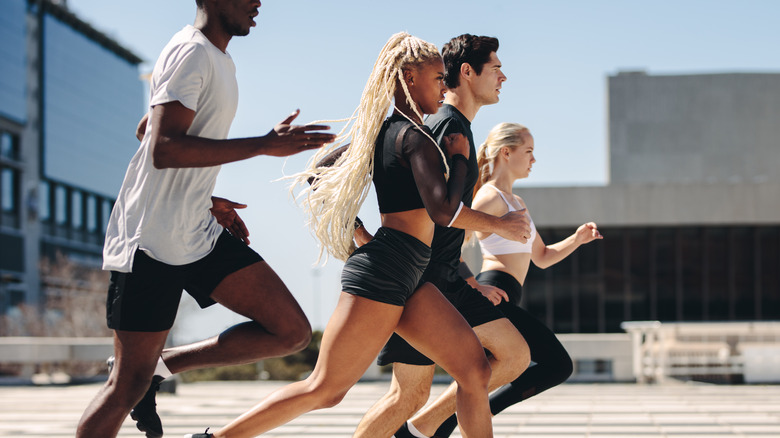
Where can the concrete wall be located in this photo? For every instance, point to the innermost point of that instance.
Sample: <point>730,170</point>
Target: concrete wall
<point>701,128</point>
<point>654,204</point>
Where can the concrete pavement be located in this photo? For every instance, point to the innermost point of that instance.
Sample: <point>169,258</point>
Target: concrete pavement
<point>568,411</point>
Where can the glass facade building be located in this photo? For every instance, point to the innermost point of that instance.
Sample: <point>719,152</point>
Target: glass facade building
<point>70,100</point>
<point>687,273</point>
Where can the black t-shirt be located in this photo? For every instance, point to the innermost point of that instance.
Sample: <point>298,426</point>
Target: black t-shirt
<point>447,242</point>
<point>409,171</point>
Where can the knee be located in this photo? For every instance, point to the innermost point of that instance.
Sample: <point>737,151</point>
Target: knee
<point>326,396</point>
<point>476,374</point>
<point>296,337</point>
<point>128,389</point>
<point>408,400</point>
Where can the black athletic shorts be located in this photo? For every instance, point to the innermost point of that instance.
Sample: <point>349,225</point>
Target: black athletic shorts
<point>474,307</point>
<point>386,269</point>
<point>504,281</point>
<point>146,299</point>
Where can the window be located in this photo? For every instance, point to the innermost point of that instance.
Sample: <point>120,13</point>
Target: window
<point>9,197</point>
<point>9,146</point>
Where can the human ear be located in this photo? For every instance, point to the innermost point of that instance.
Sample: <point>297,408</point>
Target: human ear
<point>465,69</point>
<point>409,77</point>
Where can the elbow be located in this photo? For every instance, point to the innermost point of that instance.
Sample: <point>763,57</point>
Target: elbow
<point>542,263</point>
<point>160,159</point>
<point>441,218</point>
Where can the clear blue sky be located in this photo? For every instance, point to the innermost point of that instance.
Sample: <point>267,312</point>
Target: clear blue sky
<point>316,56</point>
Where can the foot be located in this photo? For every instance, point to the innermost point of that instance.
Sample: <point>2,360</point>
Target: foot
<point>205,434</point>
<point>145,412</point>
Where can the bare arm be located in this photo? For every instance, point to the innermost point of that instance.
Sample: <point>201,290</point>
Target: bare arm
<point>173,148</point>
<point>513,225</point>
<point>442,198</point>
<point>140,130</point>
<point>545,256</point>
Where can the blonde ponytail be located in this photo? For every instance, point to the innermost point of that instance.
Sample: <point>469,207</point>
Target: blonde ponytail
<point>502,135</point>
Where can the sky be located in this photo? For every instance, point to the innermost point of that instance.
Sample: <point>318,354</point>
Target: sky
<point>557,55</point>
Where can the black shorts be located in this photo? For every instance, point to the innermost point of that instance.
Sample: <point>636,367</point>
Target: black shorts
<point>146,299</point>
<point>474,307</point>
<point>504,281</point>
<point>386,269</point>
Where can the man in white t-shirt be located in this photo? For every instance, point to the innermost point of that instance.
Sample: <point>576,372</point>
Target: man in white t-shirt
<point>167,234</point>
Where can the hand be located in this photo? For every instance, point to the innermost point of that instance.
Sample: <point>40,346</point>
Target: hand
<point>494,294</point>
<point>362,236</point>
<point>286,139</point>
<point>515,226</point>
<point>225,213</point>
<point>456,144</point>
<point>587,233</point>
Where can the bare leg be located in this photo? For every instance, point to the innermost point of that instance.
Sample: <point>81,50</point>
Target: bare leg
<point>354,336</point>
<point>511,357</point>
<point>136,354</point>
<point>433,326</point>
<point>409,390</point>
<point>278,325</point>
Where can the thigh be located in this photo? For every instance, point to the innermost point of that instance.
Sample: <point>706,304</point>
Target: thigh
<point>258,293</point>
<point>432,325</point>
<point>135,356</point>
<point>355,333</point>
<point>501,338</point>
<point>544,345</point>
<point>228,257</point>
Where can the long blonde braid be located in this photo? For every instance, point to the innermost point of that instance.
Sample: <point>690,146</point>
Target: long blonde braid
<point>337,192</point>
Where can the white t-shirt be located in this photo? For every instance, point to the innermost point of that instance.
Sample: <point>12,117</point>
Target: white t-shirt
<point>165,212</point>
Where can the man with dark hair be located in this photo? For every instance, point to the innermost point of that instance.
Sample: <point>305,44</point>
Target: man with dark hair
<point>167,233</point>
<point>474,78</point>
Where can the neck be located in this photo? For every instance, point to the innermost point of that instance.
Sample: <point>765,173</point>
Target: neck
<point>212,29</point>
<point>502,180</point>
<point>402,107</point>
<point>463,101</point>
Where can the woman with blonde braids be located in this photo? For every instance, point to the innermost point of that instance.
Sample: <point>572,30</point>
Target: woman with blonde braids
<point>415,189</point>
<point>506,156</point>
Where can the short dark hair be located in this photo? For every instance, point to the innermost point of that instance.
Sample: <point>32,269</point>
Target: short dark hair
<point>466,48</point>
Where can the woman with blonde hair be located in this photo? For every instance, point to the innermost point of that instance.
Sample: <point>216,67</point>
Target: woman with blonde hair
<point>415,188</point>
<point>506,156</point>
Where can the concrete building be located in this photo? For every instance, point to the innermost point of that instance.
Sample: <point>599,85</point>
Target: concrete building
<point>690,215</point>
<point>70,99</point>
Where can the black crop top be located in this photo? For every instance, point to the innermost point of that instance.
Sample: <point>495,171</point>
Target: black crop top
<point>409,172</point>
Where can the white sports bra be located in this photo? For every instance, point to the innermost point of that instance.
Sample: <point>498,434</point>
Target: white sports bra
<point>497,245</point>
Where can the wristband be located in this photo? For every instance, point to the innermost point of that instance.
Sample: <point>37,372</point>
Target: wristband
<point>460,207</point>
<point>358,223</point>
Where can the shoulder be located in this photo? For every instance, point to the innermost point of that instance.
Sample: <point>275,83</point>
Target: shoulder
<point>488,200</point>
<point>415,135</point>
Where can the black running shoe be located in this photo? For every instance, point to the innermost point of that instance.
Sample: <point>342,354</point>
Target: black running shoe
<point>205,434</point>
<point>145,412</point>
<point>403,432</point>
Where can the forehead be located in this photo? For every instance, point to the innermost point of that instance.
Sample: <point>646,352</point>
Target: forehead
<point>493,61</point>
<point>432,66</point>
